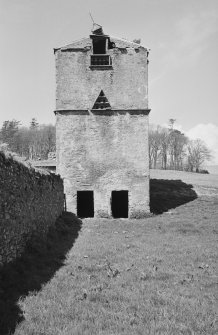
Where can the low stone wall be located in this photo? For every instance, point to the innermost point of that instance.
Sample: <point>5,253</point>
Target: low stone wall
<point>30,202</point>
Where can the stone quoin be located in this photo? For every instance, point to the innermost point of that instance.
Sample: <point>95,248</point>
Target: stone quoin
<point>102,126</point>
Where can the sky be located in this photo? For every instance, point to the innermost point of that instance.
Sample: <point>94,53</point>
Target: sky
<point>183,66</point>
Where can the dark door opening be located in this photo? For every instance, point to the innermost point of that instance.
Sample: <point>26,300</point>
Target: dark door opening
<point>119,204</point>
<point>85,204</point>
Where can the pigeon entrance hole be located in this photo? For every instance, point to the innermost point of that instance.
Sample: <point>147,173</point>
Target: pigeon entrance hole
<point>119,204</point>
<point>85,204</point>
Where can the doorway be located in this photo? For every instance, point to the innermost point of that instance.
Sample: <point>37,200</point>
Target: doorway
<point>85,204</point>
<point>119,204</point>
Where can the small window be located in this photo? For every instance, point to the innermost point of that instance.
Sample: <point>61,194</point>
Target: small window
<point>100,59</point>
<point>85,204</point>
<point>99,46</point>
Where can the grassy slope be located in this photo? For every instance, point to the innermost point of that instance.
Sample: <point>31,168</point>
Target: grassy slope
<point>153,276</point>
<point>204,184</point>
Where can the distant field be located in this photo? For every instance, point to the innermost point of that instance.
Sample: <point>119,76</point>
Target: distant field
<point>213,169</point>
<point>204,184</point>
<point>156,276</point>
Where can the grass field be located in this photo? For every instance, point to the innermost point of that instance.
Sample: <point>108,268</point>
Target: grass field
<point>204,184</point>
<point>152,276</point>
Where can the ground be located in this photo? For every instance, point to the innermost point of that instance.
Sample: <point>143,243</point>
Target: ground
<point>152,276</point>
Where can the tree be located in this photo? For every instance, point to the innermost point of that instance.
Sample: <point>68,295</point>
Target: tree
<point>177,146</point>
<point>164,146</point>
<point>170,148</point>
<point>154,146</point>
<point>198,153</point>
<point>48,140</point>
<point>41,141</point>
<point>8,133</point>
<point>34,142</point>
<point>171,123</point>
<point>33,124</point>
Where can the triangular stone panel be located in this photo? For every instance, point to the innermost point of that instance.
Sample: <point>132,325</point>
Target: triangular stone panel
<point>101,102</point>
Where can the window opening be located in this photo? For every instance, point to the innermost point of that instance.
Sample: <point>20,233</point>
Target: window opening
<point>100,58</point>
<point>119,204</point>
<point>99,46</point>
<point>85,204</point>
<point>101,102</point>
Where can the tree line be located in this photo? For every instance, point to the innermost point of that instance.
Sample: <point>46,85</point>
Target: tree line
<point>33,142</point>
<point>169,148</point>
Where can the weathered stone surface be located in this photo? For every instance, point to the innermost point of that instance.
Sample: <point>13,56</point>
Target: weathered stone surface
<point>125,84</point>
<point>103,151</point>
<point>103,154</point>
<point>30,202</point>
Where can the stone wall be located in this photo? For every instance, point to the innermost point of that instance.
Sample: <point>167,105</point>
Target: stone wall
<point>99,150</point>
<point>104,153</point>
<point>30,202</point>
<point>124,84</point>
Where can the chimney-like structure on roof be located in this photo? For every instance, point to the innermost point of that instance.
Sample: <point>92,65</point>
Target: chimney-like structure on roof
<point>97,29</point>
<point>102,126</point>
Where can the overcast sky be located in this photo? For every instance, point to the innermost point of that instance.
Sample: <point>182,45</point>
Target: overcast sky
<point>183,68</point>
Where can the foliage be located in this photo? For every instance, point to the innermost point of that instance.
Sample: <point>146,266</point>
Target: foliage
<point>204,171</point>
<point>34,123</point>
<point>177,143</point>
<point>33,142</point>
<point>198,153</point>
<point>154,145</point>
<point>8,133</point>
<point>169,148</point>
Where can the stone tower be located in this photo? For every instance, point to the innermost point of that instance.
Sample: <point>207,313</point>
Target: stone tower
<point>102,126</point>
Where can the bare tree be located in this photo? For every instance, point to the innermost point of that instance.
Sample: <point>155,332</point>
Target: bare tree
<point>164,146</point>
<point>198,153</point>
<point>41,141</point>
<point>154,145</point>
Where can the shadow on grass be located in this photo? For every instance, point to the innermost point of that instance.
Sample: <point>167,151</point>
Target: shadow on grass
<point>166,194</point>
<point>37,265</point>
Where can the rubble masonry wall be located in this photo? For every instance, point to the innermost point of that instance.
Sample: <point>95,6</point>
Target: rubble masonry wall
<point>30,202</point>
